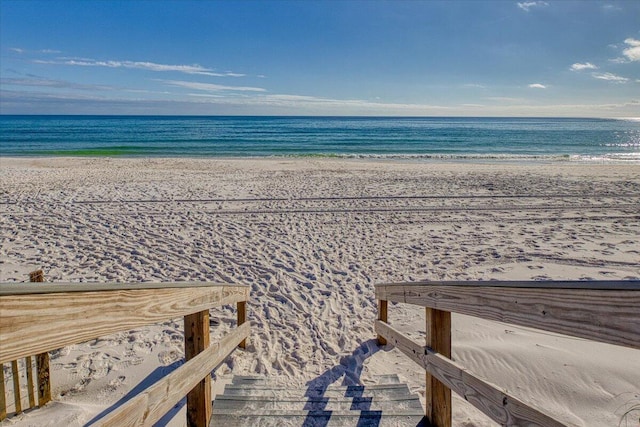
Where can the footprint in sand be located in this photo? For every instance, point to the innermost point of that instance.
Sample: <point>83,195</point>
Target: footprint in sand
<point>168,357</point>
<point>80,386</point>
<point>142,347</point>
<point>64,351</point>
<point>99,369</point>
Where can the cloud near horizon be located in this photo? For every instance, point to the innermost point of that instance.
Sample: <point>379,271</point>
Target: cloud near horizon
<point>58,84</point>
<point>210,87</point>
<point>586,66</point>
<point>537,86</point>
<point>610,77</point>
<point>140,65</point>
<point>633,52</point>
<point>527,5</point>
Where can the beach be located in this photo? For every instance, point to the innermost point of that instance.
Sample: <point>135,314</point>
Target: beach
<point>312,236</point>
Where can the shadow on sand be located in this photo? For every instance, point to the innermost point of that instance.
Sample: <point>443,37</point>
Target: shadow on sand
<point>150,380</point>
<point>349,370</point>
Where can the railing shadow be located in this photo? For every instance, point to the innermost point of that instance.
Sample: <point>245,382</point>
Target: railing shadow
<point>155,376</point>
<point>349,370</point>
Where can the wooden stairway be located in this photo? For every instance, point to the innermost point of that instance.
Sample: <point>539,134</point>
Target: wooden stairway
<point>254,401</point>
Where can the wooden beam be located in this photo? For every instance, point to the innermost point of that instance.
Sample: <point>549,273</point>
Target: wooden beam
<point>196,340</point>
<point>36,276</point>
<point>604,285</point>
<point>44,379</point>
<point>382,316</point>
<point>37,323</point>
<point>494,402</point>
<point>42,359</point>
<point>3,399</point>
<point>242,317</point>
<point>65,287</point>
<point>32,397</point>
<point>16,386</point>
<point>438,396</point>
<point>609,316</point>
<point>150,405</point>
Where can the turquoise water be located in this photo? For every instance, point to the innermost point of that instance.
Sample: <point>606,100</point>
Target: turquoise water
<point>161,136</point>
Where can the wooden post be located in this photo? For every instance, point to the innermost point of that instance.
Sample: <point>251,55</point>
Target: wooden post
<point>382,315</point>
<point>42,359</point>
<point>438,396</point>
<point>32,398</point>
<point>16,386</point>
<point>3,399</point>
<point>196,339</point>
<point>242,317</point>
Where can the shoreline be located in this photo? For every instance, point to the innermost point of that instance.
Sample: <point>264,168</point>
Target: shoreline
<point>311,237</point>
<point>626,159</point>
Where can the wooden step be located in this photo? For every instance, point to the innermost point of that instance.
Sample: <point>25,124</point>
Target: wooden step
<point>253,401</point>
<point>250,403</point>
<point>381,390</point>
<point>257,380</point>
<point>387,379</point>
<point>319,419</point>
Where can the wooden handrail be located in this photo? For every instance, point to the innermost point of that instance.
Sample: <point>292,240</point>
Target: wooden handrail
<point>608,311</point>
<point>32,323</point>
<point>490,399</point>
<point>38,319</point>
<point>605,311</point>
<point>150,405</point>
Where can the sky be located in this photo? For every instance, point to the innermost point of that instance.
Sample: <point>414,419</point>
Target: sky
<point>356,58</point>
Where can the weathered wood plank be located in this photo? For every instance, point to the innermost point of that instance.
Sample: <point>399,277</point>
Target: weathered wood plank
<point>196,340</point>
<point>15,372</point>
<point>32,324</point>
<point>488,398</point>
<point>608,285</point>
<point>42,359</point>
<point>36,276</point>
<point>60,287</point>
<point>31,394</point>
<point>382,315</point>
<point>609,316</point>
<point>438,396</point>
<point>242,317</point>
<point>44,379</point>
<point>3,399</point>
<point>150,405</point>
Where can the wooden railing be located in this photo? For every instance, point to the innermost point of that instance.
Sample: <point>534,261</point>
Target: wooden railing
<point>36,319</point>
<point>605,311</point>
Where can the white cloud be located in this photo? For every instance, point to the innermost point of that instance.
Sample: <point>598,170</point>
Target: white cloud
<point>527,5</point>
<point>611,7</point>
<point>58,84</point>
<point>210,87</point>
<point>586,66</point>
<point>633,51</point>
<point>21,51</point>
<point>610,77</point>
<point>537,86</point>
<point>140,65</point>
<point>28,102</point>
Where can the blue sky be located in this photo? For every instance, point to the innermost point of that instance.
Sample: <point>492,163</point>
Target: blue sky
<point>408,58</point>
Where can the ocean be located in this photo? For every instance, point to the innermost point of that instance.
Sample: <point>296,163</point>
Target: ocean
<point>555,139</point>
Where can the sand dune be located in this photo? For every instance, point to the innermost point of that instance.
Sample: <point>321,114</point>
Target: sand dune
<point>312,237</point>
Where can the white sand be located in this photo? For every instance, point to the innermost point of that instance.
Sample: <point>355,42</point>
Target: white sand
<point>312,263</point>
